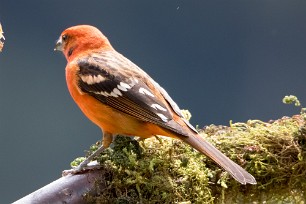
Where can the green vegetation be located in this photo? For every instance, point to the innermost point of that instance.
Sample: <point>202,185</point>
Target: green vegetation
<point>169,171</point>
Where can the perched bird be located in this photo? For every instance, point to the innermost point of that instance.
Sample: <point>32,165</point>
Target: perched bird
<point>120,98</point>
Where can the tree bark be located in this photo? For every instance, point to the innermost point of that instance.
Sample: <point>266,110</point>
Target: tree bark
<point>67,189</point>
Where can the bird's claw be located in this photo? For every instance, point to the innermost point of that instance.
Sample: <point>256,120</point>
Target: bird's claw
<point>82,168</point>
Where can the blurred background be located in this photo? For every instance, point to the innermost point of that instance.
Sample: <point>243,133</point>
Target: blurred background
<point>222,60</point>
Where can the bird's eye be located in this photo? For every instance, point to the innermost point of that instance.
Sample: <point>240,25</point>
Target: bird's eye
<point>64,37</point>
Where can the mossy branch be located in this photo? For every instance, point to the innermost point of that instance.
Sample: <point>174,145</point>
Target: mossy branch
<point>169,171</point>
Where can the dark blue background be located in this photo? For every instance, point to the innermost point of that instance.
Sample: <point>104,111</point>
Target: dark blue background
<point>222,60</point>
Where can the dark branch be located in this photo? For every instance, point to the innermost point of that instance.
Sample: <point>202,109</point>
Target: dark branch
<point>68,189</point>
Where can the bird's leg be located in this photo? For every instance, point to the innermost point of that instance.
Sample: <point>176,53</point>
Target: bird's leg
<point>107,140</point>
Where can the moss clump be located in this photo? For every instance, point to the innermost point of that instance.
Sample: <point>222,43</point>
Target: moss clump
<point>273,152</point>
<point>155,171</point>
<point>169,171</point>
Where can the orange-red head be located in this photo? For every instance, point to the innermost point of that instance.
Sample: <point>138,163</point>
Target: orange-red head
<point>79,39</point>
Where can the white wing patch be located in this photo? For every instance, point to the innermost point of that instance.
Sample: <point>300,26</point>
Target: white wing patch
<point>164,118</point>
<point>104,93</point>
<point>117,92</point>
<point>89,79</point>
<point>158,107</point>
<point>145,92</point>
<point>123,86</point>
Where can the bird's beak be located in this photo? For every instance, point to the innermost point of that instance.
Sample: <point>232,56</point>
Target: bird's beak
<point>59,45</point>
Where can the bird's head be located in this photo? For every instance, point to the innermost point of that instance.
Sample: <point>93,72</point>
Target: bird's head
<point>79,39</point>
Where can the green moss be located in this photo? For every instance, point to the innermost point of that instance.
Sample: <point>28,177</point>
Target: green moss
<point>159,172</point>
<point>273,152</point>
<point>169,171</point>
<point>291,99</point>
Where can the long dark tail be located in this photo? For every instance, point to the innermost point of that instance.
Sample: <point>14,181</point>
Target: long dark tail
<point>231,167</point>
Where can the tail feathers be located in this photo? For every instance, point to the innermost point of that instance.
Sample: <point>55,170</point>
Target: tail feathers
<point>227,164</point>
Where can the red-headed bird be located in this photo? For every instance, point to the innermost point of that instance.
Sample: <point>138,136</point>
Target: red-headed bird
<point>120,98</point>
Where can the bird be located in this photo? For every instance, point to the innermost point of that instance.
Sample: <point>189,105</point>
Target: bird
<point>122,99</point>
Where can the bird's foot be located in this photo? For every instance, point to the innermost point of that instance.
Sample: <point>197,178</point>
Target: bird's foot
<point>83,167</point>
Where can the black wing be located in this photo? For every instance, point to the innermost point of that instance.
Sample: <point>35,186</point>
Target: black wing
<point>99,76</point>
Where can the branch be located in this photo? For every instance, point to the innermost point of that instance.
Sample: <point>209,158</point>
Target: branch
<point>169,171</point>
<point>68,189</point>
